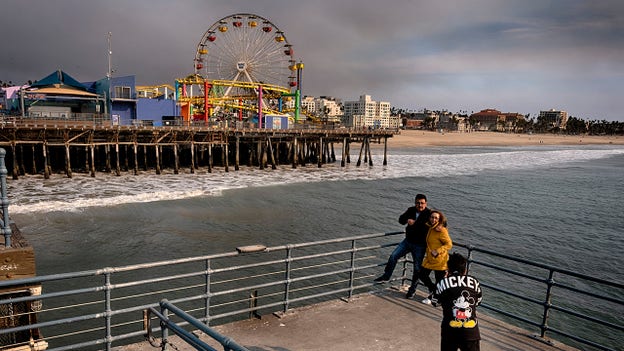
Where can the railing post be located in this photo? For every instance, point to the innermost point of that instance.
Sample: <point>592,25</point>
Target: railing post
<point>207,291</point>
<point>163,326</point>
<point>547,304</point>
<point>107,295</point>
<point>469,258</point>
<point>352,273</point>
<point>287,277</point>
<point>404,269</point>
<point>4,200</point>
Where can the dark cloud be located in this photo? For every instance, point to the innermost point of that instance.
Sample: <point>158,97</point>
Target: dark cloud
<point>508,54</point>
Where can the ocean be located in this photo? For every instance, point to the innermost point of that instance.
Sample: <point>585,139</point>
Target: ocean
<point>559,205</point>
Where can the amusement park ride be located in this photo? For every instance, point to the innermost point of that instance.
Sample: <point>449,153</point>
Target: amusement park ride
<point>244,70</point>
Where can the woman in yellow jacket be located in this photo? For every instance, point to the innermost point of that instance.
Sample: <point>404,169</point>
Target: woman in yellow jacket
<point>438,246</point>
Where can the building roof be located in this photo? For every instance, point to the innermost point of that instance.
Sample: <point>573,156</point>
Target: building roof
<point>60,83</point>
<point>59,90</point>
<point>58,78</point>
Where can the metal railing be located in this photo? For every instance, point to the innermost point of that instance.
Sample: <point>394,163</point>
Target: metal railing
<point>98,309</point>
<point>588,310</point>
<point>190,338</point>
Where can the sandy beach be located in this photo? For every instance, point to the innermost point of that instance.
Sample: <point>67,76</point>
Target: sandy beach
<point>408,138</point>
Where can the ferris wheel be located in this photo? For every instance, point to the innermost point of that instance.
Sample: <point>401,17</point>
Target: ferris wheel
<point>245,50</point>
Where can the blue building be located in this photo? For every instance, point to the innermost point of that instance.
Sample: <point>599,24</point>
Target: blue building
<point>127,108</point>
<point>112,101</point>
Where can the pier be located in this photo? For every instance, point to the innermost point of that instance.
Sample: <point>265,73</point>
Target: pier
<point>37,146</point>
<point>377,321</point>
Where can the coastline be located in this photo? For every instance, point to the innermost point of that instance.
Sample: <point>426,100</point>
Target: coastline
<point>409,138</point>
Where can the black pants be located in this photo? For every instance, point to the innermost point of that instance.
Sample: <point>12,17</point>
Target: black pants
<point>423,275</point>
<point>448,344</point>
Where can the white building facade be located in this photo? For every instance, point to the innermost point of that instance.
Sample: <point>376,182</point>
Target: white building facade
<point>366,113</point>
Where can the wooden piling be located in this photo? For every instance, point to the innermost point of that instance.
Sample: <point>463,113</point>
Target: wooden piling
<point>68,170</point>
<point>237,153</point>
<point>270,146</point>
<point>92,164</point>
<point>385,157</point>
<point>294,152</point>
<point>192,157</point>
<point>176,160</point>
<point>117,169</point>
<point>135,167</point>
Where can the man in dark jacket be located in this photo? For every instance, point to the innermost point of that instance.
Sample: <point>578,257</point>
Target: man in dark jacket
<point>415,218</point>
<point>459,294</point>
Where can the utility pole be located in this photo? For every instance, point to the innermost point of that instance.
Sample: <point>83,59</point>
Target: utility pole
<point>109,75</point>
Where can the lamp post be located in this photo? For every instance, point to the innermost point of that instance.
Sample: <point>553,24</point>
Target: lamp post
<point>21,92</point>
<point>109,75</point>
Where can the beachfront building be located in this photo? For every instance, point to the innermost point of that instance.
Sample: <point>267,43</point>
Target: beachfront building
<point>308,105</point>
<point>321,109</point>
<point>330,109</point>
<point>454,122</point>
<point>425,119</point>
<point>366,113</point>
<point>494,120</point>
<point>553,119</point>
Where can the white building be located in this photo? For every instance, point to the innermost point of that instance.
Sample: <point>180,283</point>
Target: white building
<point>308,105</point>
<point>330,108</point>
<point>366,113</point>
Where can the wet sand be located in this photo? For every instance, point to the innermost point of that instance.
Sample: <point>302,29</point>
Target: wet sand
<point>408,138</point>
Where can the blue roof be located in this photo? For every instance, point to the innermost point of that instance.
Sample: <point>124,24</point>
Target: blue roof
<point>58,77</point>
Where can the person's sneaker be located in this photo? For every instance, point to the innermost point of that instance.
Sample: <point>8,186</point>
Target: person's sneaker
<point>381,279</point>
<point>409,294</point>
<point>427,300</point>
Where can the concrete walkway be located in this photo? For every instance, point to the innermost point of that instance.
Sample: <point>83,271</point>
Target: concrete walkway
<point>383,320</point>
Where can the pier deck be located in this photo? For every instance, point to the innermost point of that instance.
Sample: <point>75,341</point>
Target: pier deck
<point>383,320</point>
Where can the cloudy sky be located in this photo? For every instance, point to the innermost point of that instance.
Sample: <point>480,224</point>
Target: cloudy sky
<point>513,55</point>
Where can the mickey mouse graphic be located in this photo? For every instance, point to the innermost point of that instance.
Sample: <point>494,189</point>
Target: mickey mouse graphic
<point>463,312</point>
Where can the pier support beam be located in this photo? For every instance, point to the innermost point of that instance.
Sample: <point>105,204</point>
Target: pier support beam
<point>46,169</point>
<point>294,152</point>
<point>68,170</point>
<point>107,168</point>
<point>192,157</point>
<point>176,161</point>
<point>226,159</point>
<point>237,153</point>
<point>117,169</point>
<point>92,159</point>
<point>157,150</point>
<point>270,146</point>
<point>209,158</point>
<point>344,152</point>
<point>15,170</point>
<point>135,148</point>
<point>370,156</point>
<point>359,161</point>
<point>319,151</point>
<point>385,159</point>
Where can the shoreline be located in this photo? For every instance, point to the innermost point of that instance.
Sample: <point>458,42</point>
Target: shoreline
<point>410,138</point>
